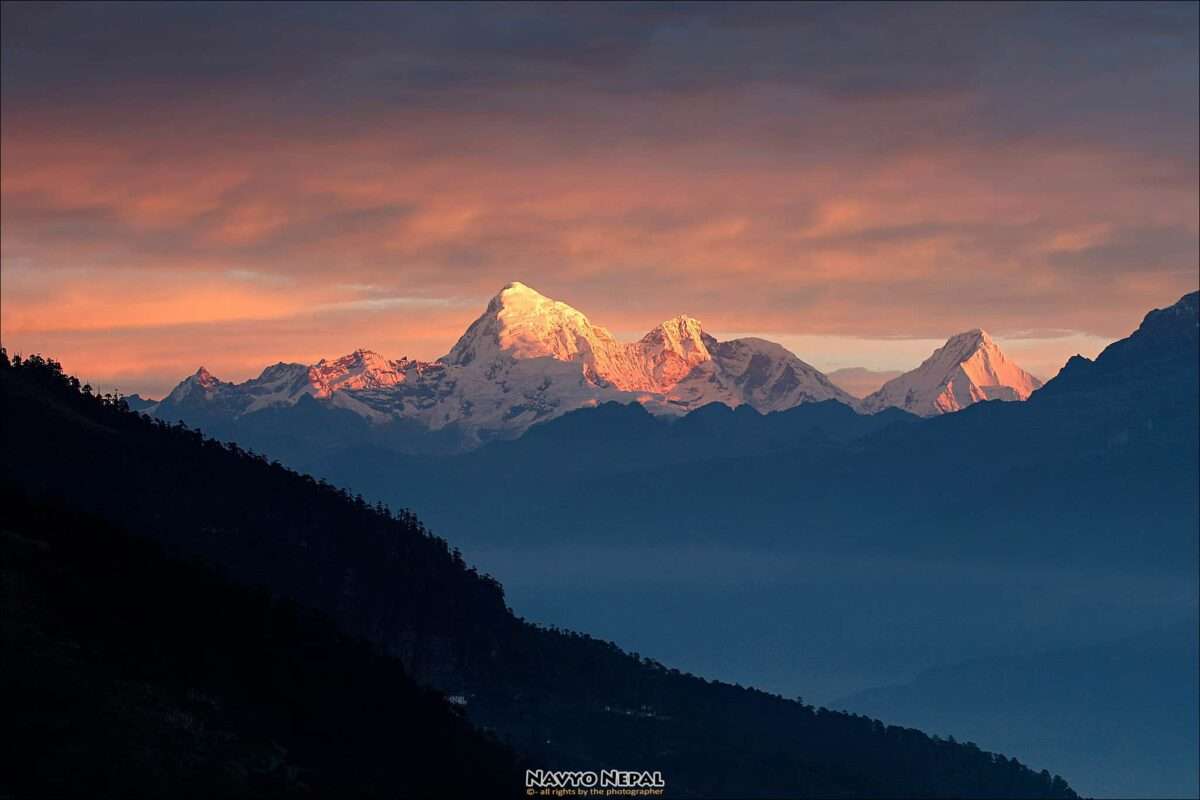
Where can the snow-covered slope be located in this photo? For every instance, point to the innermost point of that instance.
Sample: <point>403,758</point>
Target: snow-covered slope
<point>759,373</point>
<point>968,368</point>
<point>528,358</point>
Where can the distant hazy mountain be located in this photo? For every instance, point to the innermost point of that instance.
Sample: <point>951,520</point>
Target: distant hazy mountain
<point>526,359</point>
<point>138,403</point>
<point>859,381</point>
<point>968,368</point>
<point>615,439</point>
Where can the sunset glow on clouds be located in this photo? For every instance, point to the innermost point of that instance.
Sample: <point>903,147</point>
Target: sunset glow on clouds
<point>236,186</point>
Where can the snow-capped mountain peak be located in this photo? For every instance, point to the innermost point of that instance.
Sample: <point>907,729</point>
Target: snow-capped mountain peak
<point>528,358</point>
<point>362,369</point>
<point>968,368</point>
<point>968,341</point>
<point>200,384</point>
<point>520,322</point>
<point>682,335</point>
<point>665,355</point>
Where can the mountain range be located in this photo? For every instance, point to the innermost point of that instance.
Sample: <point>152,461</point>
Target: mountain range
<point>811,548</point>
<point>973,466</point>
<point>185,619</point>
<point>528,359</point>
<point>848,550</point>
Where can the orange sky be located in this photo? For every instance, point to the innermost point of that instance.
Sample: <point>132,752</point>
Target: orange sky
<point>236,211</point>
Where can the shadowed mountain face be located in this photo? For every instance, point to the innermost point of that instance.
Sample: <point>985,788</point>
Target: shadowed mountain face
<point>562,700</point>
<point>1163,347</point>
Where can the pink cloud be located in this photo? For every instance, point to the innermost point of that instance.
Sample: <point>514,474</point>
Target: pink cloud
<point>713,204</point>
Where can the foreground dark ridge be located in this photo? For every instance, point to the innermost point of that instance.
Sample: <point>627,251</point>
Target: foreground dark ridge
<point>563,700</point>
<point>128,674</point>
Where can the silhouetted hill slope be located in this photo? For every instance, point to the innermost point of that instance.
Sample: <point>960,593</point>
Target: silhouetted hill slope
<point>1166,340</point>
<point>562,700</point>
<point>127,674</point>
<point>1137,699</point>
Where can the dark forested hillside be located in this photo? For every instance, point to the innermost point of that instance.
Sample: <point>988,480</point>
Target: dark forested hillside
<point>562,700</point>
<point>128,674</point>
